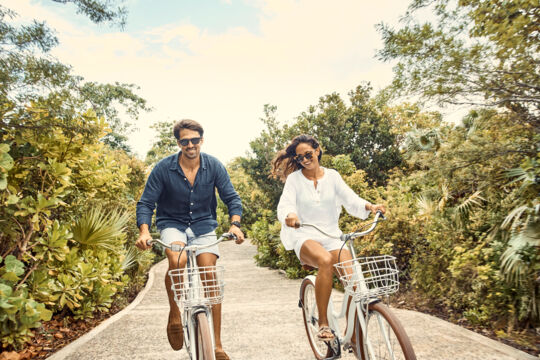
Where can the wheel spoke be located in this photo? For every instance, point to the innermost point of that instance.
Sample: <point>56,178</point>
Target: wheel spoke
<point>385,338</point>
<point>311,320</point>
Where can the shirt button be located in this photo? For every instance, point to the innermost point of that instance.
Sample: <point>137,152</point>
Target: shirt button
<point>191,203</point>
<point>185,179</point>
<point>191,190</point>
<point>191,212</point>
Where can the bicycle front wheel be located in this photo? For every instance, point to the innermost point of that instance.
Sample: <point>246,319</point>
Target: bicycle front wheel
<point>386,338</point>
<point>311,320</point>
<point>203,346</point>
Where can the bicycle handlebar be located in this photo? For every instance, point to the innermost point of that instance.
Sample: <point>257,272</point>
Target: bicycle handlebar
<point>350,236</point>
<point>179,247</point>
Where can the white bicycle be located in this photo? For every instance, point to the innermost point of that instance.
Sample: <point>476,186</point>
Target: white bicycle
<point>378,334</point>
<point>196,289</point>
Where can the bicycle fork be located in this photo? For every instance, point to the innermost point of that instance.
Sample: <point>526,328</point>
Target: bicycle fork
<point>191,330</point>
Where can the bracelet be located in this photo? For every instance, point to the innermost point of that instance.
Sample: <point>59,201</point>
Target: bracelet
<point>237,224</point>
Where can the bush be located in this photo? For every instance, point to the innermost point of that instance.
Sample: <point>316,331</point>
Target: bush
<point>19,313</point>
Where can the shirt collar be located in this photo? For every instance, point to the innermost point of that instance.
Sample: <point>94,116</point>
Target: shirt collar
<point>176,164</point>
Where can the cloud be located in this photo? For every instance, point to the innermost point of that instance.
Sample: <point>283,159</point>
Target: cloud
<point>304,49</point>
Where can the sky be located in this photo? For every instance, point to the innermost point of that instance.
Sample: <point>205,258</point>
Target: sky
<point>220,61</point>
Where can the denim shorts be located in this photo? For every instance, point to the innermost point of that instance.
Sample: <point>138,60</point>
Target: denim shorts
<point>170,235</point>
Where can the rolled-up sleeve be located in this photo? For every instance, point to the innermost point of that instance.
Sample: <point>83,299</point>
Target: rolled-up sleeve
<point>354,204</point>
<point>287,201</point>
<point>226,191</point>
<point>149,198</point>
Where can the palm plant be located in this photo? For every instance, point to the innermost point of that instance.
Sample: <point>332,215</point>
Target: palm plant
<point>423,140</point>
<point>99,228</point>
<point>520,263</point>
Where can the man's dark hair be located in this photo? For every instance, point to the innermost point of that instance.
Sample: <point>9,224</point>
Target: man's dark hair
<point>187,124</point>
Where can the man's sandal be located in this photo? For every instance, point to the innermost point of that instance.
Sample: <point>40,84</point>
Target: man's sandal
<point>352,348</point>
<point>221,355</point>
<point>325,334</point>
<point>175,334</point>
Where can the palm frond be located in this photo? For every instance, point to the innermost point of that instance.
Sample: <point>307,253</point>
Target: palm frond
<point>513,266</point>
<point>445,196</point>
<point>472,201</point>
<point>425,205</point>
<point>98,228</point>
<point>514,217</point>
<point>130,258</point>
<point>422,140</point>
<point>519,174</point>
<point>463,210</point>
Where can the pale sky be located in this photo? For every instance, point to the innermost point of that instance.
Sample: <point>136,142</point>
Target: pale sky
<point>219,61</point>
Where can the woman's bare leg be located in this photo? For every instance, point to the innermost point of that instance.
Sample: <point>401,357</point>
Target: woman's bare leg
<point>345,255</point>
<point>312,253</point>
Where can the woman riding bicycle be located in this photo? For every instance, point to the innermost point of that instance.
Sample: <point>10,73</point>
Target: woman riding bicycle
<point>315,194</point>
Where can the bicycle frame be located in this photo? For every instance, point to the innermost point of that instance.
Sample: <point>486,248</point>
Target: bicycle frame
<point>195,302</point>
<point>191,312</point>
<point>361,305</point>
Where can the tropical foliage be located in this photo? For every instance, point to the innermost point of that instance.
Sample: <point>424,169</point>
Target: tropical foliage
<point>463,198</point>
<point>67,186</point>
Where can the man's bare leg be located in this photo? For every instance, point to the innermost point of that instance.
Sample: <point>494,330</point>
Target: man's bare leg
<point>209,259</point>
<point>174,324</point>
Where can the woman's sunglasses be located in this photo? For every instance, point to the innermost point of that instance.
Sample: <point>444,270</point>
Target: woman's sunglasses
<point>194,141</point>
<point>308,155</point>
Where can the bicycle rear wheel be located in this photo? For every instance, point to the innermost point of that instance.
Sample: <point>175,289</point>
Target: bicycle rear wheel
<point>203,339</point>
<point>386,338</point>
<point>311,320</point>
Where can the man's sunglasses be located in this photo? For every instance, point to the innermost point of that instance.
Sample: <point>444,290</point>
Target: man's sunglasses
<point>194,141</point>
<point>308,155</point>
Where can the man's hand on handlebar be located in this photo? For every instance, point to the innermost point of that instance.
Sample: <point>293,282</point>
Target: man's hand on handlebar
<point>143,240</point>
<point>238,233</point>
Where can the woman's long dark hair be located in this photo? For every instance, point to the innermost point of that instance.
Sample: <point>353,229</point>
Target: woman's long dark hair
<point>284,164</point>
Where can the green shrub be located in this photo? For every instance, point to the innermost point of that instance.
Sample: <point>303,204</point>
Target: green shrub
<point>19,313</point>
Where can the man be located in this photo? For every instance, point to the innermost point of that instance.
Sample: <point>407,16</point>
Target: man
<point>183,187</point>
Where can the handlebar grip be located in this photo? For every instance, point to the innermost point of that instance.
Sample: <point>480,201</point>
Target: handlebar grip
<point>297,224</point>
<point>381,215</point>
<point>149,242</point>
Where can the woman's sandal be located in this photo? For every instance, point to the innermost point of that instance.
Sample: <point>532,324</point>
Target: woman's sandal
<point>325,334</point>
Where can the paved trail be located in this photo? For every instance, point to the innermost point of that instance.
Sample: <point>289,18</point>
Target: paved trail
<point>261,321</point>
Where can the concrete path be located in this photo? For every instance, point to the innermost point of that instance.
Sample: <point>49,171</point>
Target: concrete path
<point>261,321</point>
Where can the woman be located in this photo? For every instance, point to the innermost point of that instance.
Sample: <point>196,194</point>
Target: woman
<point>315,195</point>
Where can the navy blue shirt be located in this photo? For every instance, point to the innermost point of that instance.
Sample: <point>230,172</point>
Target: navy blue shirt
<point>180,205</point>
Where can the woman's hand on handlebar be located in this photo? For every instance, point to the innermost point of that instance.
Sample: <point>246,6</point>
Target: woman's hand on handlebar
<point>376,207</point>
<point>292,220</point>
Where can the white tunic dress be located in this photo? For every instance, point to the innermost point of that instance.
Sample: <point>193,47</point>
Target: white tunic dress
<point>320,206</point>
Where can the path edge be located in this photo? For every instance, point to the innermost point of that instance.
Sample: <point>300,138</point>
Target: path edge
<point>68,349</point>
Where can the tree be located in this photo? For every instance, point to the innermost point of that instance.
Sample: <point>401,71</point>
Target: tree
<point>361,130</point>
<point>165,144</point>
<point>477,52</point>
<point>29,74</point>
<point>100,10</point>
<point>65,194</point>
<point>264,148</point>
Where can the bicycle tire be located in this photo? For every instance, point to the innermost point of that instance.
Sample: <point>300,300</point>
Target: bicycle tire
<point>311,322</point>
<point>203,338</point>
<point>398,346</point>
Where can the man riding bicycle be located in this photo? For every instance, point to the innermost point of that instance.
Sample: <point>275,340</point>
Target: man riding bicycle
<point>183,188</point>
